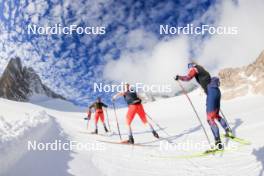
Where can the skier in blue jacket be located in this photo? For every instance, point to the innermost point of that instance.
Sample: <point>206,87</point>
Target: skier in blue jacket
<point>210,86</point>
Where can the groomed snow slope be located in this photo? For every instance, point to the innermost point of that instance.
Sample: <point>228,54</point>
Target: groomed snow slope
<point>174,115</point>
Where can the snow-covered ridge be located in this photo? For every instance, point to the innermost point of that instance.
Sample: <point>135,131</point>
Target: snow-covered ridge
<point>15,135</point>
<point>18,129</point>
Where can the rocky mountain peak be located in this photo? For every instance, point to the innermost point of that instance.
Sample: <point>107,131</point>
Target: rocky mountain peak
<point>20,83</point>
<point>241,81</point>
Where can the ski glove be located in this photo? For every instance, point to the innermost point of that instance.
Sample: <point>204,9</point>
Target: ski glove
<point>89,115</point>
<point>176,77</point>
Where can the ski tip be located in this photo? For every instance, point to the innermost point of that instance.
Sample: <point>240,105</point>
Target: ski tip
<point>213,151</point>
<point>236,139</point>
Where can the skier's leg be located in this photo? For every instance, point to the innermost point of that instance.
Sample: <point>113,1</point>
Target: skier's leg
<point>142,115</point>
<point>221,120</point>
<point>215,131</point>
<point>213,125</point>
<point>228,131</point>
<point>130,131</point>
<point>150,126</point>
<point>130,114</point>
<point>129,118</point>
<point>103,121</point>
<point>130,135</point>
<point>140,111</point>
<point>96,118</point>
<point>212,101</point>
<point>102,117</point>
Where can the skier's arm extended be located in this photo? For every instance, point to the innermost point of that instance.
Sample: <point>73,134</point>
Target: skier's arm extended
<point>104,105</point>
<point>90,107</point>
<point>192,73</point>
<point>117,95</point>
<point>89,111</point>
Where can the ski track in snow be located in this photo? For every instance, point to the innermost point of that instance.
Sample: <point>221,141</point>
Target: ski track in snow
<point>174,115</point>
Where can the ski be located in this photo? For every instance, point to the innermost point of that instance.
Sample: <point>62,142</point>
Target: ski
<point>213,151</point>
<point>156,140</point>
<point>205,153</point>
<point>195,155</point>
<point>91,133</point>
<point>124,143</point>
<point>236,139</point>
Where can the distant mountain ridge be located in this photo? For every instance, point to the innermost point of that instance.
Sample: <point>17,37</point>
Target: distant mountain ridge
<point>20,83</point>
<point>237,82</point>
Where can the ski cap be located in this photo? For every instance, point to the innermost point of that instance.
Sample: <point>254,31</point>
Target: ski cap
<point>191,64</point>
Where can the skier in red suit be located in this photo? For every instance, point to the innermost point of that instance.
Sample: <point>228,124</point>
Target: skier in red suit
<point>134,107</point>
<point>99,113</point>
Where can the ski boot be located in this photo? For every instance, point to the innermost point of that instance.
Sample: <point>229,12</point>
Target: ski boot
<point>229,133</point>
<point>155,134</point>
<point>219,145</point>
<point>129,141</point>
<point>95,131</point>
<point>106,130</point>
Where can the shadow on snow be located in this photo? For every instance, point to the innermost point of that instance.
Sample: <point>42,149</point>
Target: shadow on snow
<point>42,162</point>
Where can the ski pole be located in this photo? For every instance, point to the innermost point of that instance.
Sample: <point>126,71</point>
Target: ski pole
<point>186,94</point>
<point>107,119</point>
<point>225,119</point>
<point>157,125</point>
<point>117,124</point>
<point>87,124</point>
<point>88,119</point>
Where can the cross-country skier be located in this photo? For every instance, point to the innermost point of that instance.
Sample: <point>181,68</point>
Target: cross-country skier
<point>99,113</point>
<point>210,86</point>
<point>134,107</point>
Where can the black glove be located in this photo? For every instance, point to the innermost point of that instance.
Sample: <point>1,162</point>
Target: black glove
<point>176,77</point>
<point>89,113</point>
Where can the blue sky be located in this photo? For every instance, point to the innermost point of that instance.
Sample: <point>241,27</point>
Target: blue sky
<point>70,64</point>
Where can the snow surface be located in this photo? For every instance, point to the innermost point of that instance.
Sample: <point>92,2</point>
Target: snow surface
<point>49,120</point>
